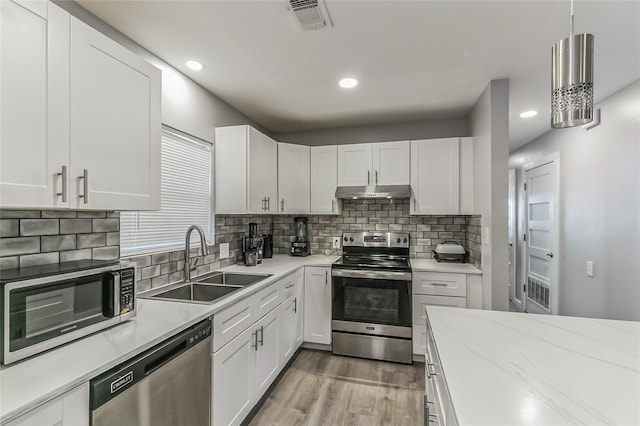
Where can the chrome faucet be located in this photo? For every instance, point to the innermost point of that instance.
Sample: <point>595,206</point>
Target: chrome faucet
<point>187,260</point>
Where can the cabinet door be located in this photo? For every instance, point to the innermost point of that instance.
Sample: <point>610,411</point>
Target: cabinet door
<point>75,406</point>
<point>317,305</point>
<point>262,164</point>
<point>294,187</point>
<point>435,176</point>
<point>265,359</point>
<point>391,163</point>
<point>354,165</point>
<point>466,175</point>
<point>298,310</point>
<point>324,180</point>
<point>34,104</point>
<point>231,169</point>
<point>287,330</point>
<point>232,387</point>
<point>115,124</point>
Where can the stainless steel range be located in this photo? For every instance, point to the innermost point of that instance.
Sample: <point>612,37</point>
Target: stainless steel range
<point>371,307</point>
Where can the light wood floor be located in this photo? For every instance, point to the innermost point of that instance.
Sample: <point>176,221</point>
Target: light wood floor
<point>324,389</point>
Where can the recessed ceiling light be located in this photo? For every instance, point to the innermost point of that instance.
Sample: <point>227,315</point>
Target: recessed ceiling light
<point>348,83</point>
<point>195,65</point>
<point>529,114</point>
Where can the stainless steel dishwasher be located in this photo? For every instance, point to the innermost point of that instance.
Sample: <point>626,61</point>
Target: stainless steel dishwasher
<point>169,384</point>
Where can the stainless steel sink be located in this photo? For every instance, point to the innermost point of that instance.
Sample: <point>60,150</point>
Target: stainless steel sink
<point>231,278</point>
<point>195,292</point>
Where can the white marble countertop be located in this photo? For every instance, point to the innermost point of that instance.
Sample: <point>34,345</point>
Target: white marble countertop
<point>507,368</point>
<point>34,381</point>
<point>431,265</point>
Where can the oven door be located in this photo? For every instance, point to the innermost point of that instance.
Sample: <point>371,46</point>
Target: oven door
<point>42,313</point>
<point>371,297</point>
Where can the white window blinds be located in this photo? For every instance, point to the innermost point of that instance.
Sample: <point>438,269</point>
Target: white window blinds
<point>186,197</point>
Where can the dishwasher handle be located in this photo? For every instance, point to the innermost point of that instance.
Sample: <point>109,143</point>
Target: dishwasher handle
<point>117,380</point>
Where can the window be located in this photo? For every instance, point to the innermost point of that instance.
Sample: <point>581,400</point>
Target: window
<point>186,193</point>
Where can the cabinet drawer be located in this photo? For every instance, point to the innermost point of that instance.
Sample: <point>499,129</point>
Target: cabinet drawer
<point>229,323</point>
<point>440,284</point>
<point>421,300</point>
<point>268,298</point>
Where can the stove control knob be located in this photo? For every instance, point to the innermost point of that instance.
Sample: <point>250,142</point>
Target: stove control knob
<point>346,239</point>
<point>404,241</point>
<point>351,239</point>
<point>398,240</point>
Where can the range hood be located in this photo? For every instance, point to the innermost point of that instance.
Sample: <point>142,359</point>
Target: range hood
<point>374,191</point>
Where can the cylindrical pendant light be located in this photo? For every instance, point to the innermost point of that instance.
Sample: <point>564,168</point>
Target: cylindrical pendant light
<point>572,80</point>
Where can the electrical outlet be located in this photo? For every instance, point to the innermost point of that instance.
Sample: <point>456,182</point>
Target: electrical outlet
<point>589,268</point>
<point>224,250</point>
<point>336,243</point>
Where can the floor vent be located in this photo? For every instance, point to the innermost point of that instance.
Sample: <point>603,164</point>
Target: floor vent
<point>309,14</point>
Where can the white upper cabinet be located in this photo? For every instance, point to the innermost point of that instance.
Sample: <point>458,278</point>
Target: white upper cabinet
<point>324,180</point>
<point>115,124</point>
<point>385,163</point>
<point>354,164</point>
<point>34,109</point>
<point>246,169</point>
<point>442,176</point>
<point>391,162</point>
<point>294,186</point>
<point>72,100</point>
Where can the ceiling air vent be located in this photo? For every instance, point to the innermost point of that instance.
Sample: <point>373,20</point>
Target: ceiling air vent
<point>309,14</point>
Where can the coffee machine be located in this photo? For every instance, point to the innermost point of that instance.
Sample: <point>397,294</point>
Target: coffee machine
<point>301,246</point>
<point>252,243</point>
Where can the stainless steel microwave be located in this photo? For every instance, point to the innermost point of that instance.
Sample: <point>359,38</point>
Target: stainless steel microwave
<point>50,305</point>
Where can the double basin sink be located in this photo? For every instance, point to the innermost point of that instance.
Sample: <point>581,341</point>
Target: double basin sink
<point>208,288</point>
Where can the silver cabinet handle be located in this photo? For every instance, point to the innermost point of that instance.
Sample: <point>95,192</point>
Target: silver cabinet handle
<point>85,182</point>
<point>333,206</point>
<point>63,174</point>
<point>429,371</point>
<point>264,204</point>
<point>549,255</point>
<point>368,177</point>
<point>441,284</point>
<point>261,335</point>
<point>415,206</point>
<point>295,306</point>
<point>282,205</point>
<point>326,278</point>
<point>255,341</point>
<point>376,177</point>
<point>268,204</point>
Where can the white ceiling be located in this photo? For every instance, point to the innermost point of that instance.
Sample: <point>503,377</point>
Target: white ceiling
<point>414,59</point>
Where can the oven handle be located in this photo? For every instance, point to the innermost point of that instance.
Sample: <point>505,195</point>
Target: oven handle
<point>376,275</point>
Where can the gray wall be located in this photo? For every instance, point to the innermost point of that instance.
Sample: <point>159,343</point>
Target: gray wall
<point>599,209</point>
<point>489,122</point>
<point>379,132</point>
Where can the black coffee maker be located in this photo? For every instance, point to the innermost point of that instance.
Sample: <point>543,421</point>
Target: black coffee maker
<point>300,247</point>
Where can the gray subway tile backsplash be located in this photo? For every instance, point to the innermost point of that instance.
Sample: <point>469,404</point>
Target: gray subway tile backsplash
<point>96,236</point>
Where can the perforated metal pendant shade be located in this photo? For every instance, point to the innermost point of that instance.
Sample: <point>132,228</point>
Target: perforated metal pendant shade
<point>572,81</point>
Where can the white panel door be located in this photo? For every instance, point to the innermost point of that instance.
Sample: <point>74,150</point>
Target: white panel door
<point>263,173</point>
<point>294,179</point>
<point>324,180</point>
<point>266,358</point>
<point>287,330</point>
<point>542,238</point>
<point>317,305</point>
<point>298,310</point>
<point>435,176</point>
<point>34,104</point>
<point>115,124</point>
<point>354,164</point>
<point>232,386</point>
<point>231,169</point>
<point>391,163</point>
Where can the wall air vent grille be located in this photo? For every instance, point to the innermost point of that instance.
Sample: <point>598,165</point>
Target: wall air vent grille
<point>309,14</point>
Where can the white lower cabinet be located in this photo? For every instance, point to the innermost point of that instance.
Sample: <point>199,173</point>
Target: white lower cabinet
<point>69,409</point>
<point>291,317</point>
<point>232,386</point>
<point>317,305</point>
<point>265,360</point>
